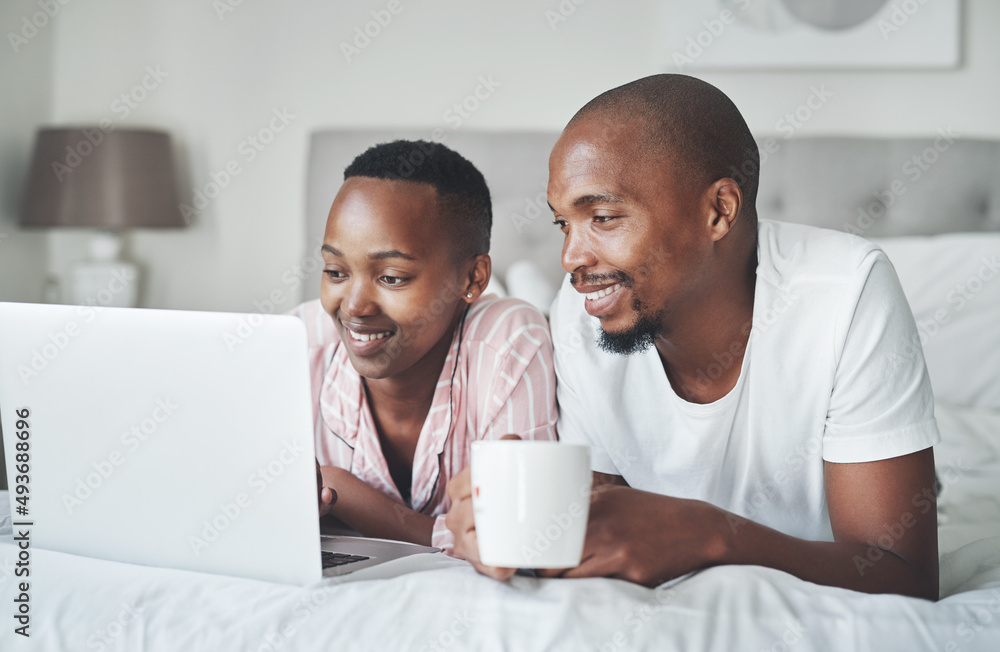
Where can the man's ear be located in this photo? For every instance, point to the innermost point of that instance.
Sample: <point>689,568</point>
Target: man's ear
<point>725,203</point>
<point>478,278</point>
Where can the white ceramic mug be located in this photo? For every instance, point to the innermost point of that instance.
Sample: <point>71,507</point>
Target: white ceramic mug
<point>531,500</point>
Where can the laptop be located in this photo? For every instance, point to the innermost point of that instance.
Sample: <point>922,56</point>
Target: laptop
<point>169,438</point>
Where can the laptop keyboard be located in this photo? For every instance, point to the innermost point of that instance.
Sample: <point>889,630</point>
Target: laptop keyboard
<point>331,559</point>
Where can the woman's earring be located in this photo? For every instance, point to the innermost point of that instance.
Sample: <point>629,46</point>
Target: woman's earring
<point>469,294</point>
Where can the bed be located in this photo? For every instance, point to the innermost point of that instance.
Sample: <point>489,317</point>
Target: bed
<point>940,233</point>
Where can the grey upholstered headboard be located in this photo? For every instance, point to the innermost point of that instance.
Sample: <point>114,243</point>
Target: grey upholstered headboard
<point>874,187</point>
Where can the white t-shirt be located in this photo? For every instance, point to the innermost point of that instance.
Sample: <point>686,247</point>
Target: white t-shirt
<point>833,371</point>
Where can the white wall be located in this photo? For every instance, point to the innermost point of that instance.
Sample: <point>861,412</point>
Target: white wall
<point>227,75</point>
<point>26,72</point>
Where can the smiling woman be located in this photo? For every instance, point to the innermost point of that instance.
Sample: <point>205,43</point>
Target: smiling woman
<point>410,361</point>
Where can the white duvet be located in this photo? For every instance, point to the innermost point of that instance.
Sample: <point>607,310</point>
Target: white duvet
<point>87,604</point>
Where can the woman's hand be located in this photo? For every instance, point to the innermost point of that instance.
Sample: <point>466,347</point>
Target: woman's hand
<point>364,508</point>
<point>327,496</point>
<point>462,523</point>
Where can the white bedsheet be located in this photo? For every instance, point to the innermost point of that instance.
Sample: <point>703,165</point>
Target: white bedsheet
<point>88,604</point>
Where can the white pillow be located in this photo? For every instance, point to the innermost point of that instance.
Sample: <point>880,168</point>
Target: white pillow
<point>495,287</point>
<point>525,280</point>
<point>953,285</point>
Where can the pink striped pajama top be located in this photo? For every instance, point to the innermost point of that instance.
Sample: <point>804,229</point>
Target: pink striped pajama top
<point>499,379</point>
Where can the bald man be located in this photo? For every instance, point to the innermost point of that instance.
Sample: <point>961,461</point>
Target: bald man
<point>749,389</point>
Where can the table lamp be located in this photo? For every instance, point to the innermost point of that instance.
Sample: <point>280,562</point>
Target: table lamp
<point>109,181</point>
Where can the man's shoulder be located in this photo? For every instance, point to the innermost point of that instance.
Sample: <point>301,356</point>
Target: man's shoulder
<point>794,252</point>
<point>320,331</point>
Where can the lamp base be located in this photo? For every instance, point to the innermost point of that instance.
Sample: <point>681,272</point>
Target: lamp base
<point>105,284</point>
<point>104,280</point>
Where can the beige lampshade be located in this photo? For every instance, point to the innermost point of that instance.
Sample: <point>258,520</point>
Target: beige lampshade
<point>87,177</point>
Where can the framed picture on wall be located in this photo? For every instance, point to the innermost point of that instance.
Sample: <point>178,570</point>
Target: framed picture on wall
<point>810,34</point>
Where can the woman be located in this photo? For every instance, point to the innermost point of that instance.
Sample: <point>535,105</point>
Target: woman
<point>410,362</point>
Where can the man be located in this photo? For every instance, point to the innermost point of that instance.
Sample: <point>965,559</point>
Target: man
<point>749,389</point>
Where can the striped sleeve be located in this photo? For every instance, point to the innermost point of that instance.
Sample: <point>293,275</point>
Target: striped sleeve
<point>511,382</point>
<point>515,384</point>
